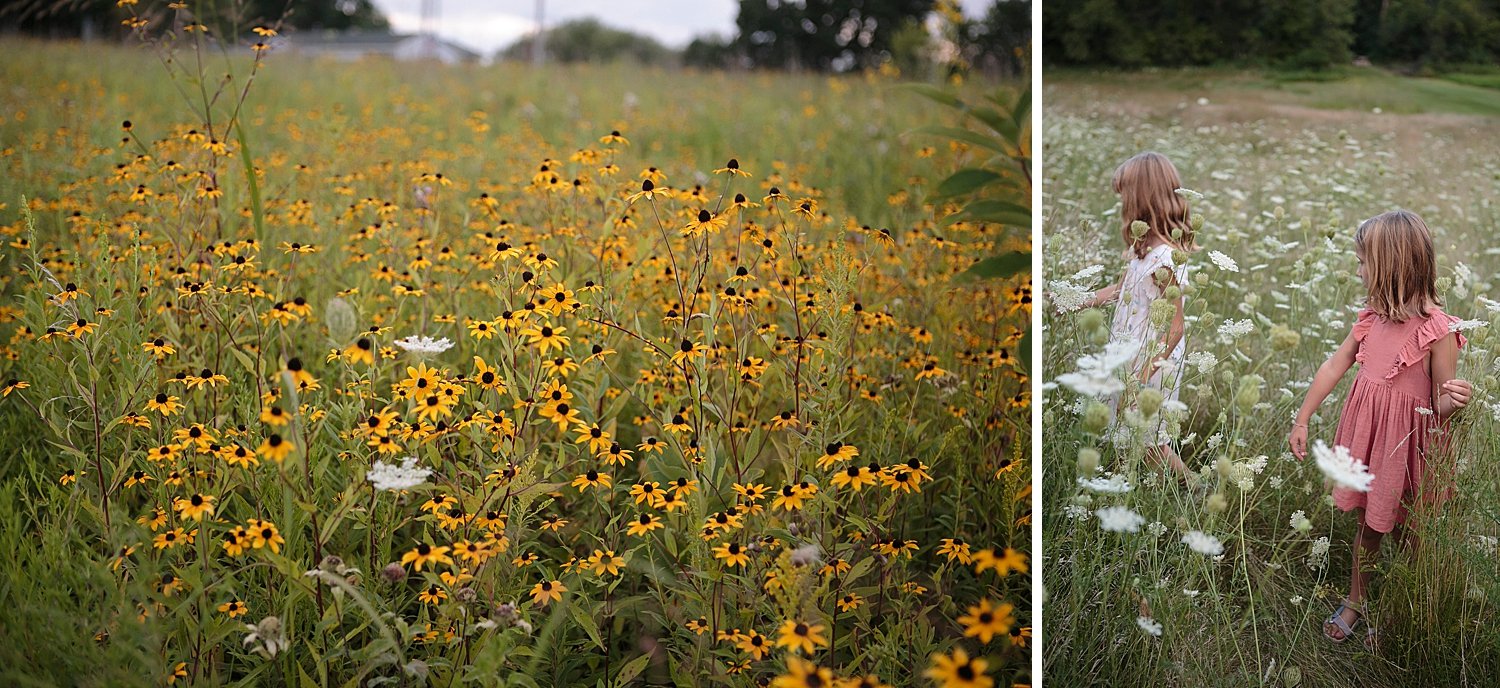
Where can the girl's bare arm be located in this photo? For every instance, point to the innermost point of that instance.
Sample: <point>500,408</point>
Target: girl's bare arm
<point>1104,296</point>
<point>1451,393</point>
<point>1323,383</point>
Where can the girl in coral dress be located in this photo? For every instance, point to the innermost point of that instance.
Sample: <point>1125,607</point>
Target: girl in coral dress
<point>1402,395</point>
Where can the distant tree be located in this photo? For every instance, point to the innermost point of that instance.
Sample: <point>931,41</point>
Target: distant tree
<point>1438,32</point>
<point>999,40</point>
<point>1138,33</point>
<point>824,35</point>
<point>73,18</point>
<point>709,52</point>
<point>588,40</point>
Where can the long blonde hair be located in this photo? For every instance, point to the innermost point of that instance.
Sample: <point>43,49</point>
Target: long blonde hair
<point>1147,184</point>
<point>1400,265</point>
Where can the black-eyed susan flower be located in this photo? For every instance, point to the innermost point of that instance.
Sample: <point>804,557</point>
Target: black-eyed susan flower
<point>754,644</point>
<point>801,673</point>
<point>594,479</point>
<point>602,561</point>
<point>986,620</point>
<point>801,637</point>
<point>195,507</point>
<point>732,554</point>
<point>855,477</point>
<point>233,608</point>
<point>275,448</point>
<point>959,671</point>
<point>424,554</point>
<point>164,404</point>
<point>643,524</point>
<point>1004,563</point>
<point>264,534</point>
<point>432,594</point>
<point>850,602</point>
<point>547,591</point>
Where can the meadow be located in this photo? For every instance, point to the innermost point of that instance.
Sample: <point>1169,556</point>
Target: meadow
<point>385,374</point>
<point>1281,174</point>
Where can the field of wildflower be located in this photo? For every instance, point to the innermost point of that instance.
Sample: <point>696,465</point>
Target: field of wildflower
<point>386,374</point>
<point>1151,583</point>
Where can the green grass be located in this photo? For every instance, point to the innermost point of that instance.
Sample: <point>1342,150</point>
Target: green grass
<point>1282,196</point>
<point>1356,89</point>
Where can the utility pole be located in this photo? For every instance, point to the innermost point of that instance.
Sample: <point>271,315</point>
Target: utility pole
<point>539,44</point>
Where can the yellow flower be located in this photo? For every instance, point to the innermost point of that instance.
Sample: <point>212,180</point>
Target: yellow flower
<point>424,553</point>
<point>195,507</point>
<point>732,554</point>
<point>547,591</point>
<point>801,637</point>
<point>985,621</point>
<point>593,479</point>
<point>958,671</point>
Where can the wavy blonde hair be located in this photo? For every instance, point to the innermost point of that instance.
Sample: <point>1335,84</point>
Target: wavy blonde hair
<point>1147,184</point>
<point>1400,265</point>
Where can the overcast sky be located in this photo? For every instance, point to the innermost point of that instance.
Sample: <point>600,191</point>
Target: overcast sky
<point>488,25</point>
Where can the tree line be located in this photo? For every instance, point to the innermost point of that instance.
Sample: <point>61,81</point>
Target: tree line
<point>815,35</point>
<point>1303,34</point>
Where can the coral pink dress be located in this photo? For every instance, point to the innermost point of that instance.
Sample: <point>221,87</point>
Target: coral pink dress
<point>1381,424</point>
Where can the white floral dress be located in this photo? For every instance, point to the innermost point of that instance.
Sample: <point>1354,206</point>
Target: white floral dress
<point>1138,288</point>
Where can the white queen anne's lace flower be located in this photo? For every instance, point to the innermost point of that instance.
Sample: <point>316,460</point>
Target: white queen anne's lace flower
<point>1224,262</point>
<point>1095,375</point>
<point>1149,625</point>
<point>1341,467</point>
<point>1236,328</point>
<point>424,345</point>
<point>1119,519</point>
<point>1107,483</point>
<point>1203,543</point>
<point>1466,325</point>
<point>1067,297</point>
<point>387,476</point>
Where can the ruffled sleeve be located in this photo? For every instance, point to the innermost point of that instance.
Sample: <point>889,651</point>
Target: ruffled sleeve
<point>1415,349</point>
<point>1362,324</point>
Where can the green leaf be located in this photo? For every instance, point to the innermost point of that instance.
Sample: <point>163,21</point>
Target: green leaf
<point>1023,351</point>
<point>1002,124</point>
<point>256,211</point>
<point>996,212</point>
<point>585,620</point>
<point>633,669</point>
<point>934,93</point>
<point>1003,265</point>
<point>965,181</point>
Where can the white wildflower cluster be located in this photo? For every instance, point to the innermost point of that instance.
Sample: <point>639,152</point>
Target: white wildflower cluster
<point>1067,297</point>
<point>1149,625</point>
<point>1300,522</point>
<point>1234,329</point>
<point>1341,467</point>
<point>1107,483</point>
<point>1096,373</point>
<point>1119,519</point>
<point>1203,543</point>
<point>1204,361</point>
<point>1466,325</point>
<point>1317,557</point>
<point>1077,512</point>
<point>424,345</point>
<point>392,477</point>
<point>1156,529</point>
<point>1223,262</point>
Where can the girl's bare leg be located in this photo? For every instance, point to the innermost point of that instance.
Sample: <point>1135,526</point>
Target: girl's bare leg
<point>1366,550</point>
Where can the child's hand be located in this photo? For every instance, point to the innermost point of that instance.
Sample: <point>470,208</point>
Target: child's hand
<point>1298,441</point>
<point>1459,392</point>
